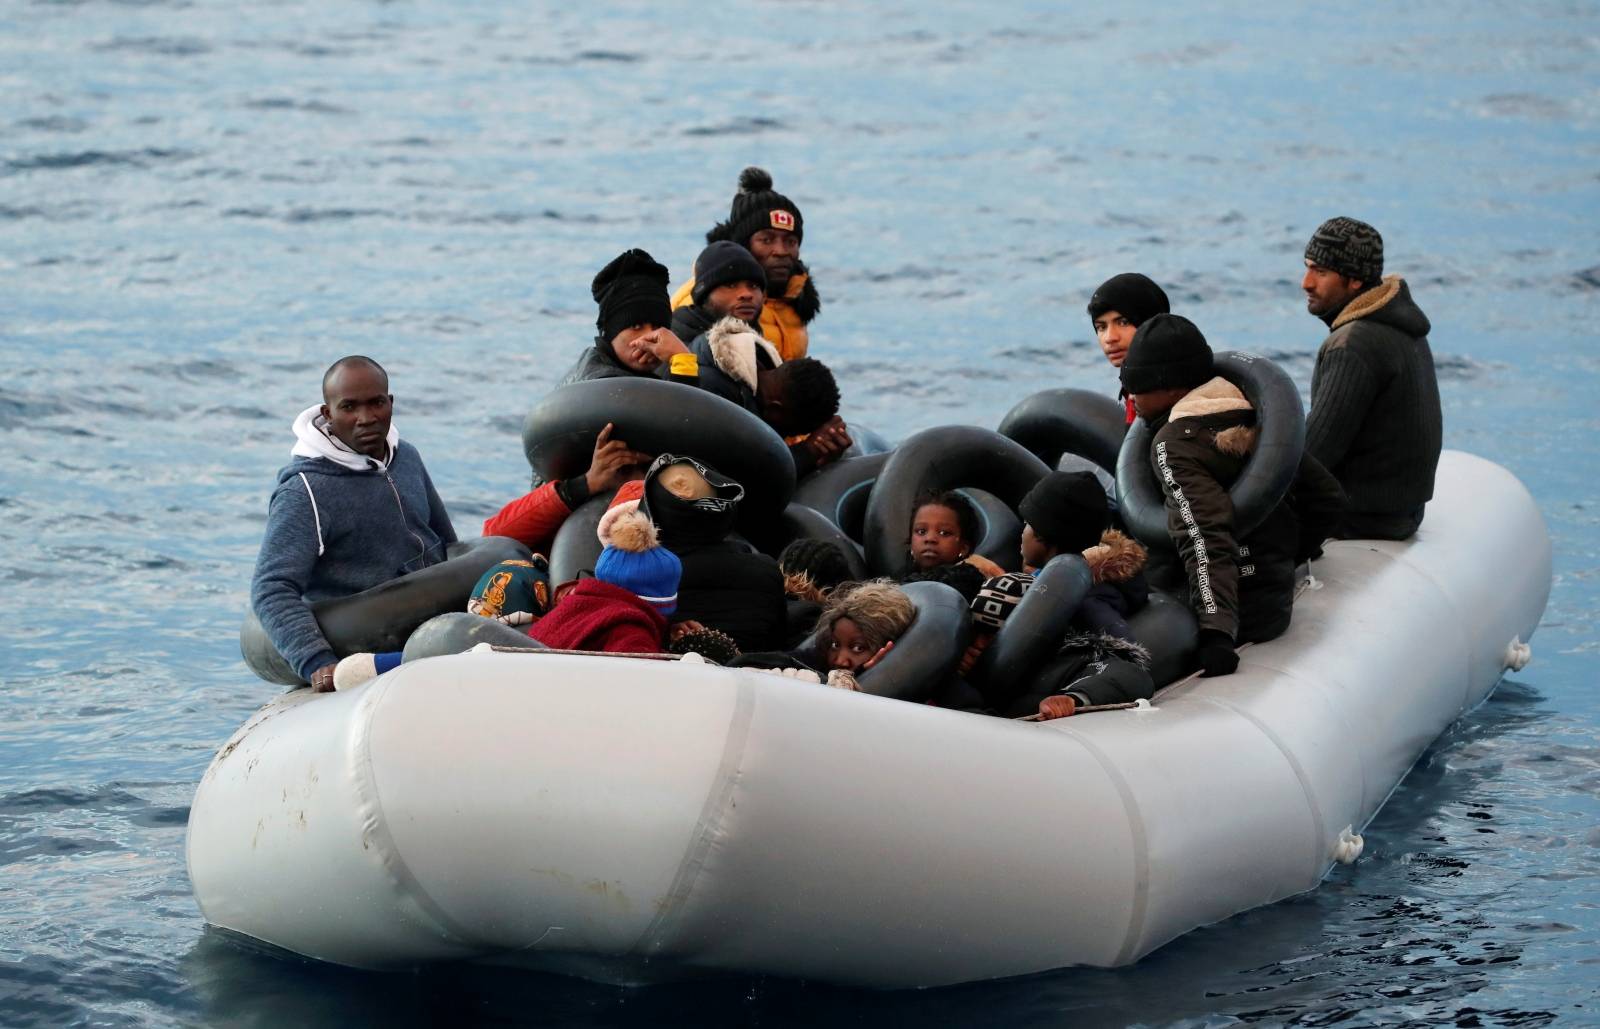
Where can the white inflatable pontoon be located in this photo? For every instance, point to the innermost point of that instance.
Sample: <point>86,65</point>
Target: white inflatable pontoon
<point>635,821</point>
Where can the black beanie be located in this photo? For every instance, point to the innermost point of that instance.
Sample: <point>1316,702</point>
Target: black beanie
<point>631,290</point>
<point>1352,248</point>
<point>722,263</point>
<point>1136,297</point>
<point>1167,352</point>
<point>1067,510</point>
<point>756,207</point>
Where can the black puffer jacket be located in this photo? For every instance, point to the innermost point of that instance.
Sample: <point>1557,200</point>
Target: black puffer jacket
<point>1241,587</point>
<point>1375,421</point>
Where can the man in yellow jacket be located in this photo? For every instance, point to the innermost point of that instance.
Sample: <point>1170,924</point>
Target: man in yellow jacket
<point>769,225</point>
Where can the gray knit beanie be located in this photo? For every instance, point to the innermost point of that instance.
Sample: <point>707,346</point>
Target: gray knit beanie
<point>1352,248</point>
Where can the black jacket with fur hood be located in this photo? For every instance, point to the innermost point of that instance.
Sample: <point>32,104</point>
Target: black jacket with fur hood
<point>1241,587</point>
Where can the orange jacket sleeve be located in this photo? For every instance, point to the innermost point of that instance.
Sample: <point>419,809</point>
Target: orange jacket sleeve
<point>532,519</point>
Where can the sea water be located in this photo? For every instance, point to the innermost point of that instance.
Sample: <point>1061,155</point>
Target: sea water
<point>202,204</point>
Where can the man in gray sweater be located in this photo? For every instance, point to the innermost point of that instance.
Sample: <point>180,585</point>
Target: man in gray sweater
<point>353,509</point>
<point>1375,421</point>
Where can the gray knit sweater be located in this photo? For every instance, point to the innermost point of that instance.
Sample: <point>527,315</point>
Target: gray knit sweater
<point>1375,420</point>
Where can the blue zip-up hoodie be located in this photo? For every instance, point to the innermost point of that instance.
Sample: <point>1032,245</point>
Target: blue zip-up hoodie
<point>339,523</point>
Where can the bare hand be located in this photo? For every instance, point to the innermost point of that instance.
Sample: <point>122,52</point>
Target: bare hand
<point>613,464</point>
<point>874,659</point>
<point>1056,707</point>
<point>663,343</point>
<point>683,628</point>
<point>969,660</point>
<point>322,679</point>
<point>829,440</point>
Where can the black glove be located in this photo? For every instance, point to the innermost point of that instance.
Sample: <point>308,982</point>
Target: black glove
<point>1216,653</point>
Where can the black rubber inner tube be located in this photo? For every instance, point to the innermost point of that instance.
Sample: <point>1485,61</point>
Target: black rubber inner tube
<point>1054,422</point>
<point>456,632</point>
<point>1267,474</point>
<point>1033,631</point>
<point>1166,627</point>
<point>1000,531</point>
<point>576,547</point>
<point>382,618</point>
<point>801,522</point>
<point>830,488</point>
<point>947,457</point>
<point>659,417</point>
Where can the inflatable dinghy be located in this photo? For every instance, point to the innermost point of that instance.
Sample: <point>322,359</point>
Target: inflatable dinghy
<point>631,820</point>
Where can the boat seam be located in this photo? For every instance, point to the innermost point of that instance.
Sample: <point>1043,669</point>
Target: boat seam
<point>1140,843</point>
<point>375,826</point>
<point>708,826</point>
<point>1313,805</point>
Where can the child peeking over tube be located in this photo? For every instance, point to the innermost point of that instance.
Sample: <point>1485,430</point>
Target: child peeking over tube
<point>942,540</point>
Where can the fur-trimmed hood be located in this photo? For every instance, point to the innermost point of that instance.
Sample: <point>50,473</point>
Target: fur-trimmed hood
<point>1390,303</point>
<point>1219,396</point>
<point>734,348</point>
<point>1116,558</point>
<point>1102,647</point>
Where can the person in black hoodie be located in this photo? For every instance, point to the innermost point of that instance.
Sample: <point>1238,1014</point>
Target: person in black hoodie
<point>726,584</point>
<point>633,338</point>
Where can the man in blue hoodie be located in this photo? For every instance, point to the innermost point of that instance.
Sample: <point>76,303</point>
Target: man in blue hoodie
<point>353,509</point>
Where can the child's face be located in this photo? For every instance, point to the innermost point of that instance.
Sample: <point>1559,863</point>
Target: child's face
<point>849,648</point>
<point>936,537</point>
<point>1034,552</point>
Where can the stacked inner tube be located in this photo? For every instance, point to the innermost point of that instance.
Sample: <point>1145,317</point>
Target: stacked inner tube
<point>949,457</point>
<point>1055,422</point>
<point>660,417</point>
<point>382,618</point>
<point>1267,474</point>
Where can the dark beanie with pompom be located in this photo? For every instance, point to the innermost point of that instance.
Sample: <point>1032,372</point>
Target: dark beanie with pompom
<point>1168,352</point>
<point>631,290</point>
<point>755,207</point>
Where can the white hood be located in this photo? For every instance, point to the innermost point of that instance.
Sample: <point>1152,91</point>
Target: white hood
<point>312,439</point>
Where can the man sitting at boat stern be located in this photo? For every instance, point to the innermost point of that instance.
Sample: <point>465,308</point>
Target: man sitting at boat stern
<point>1240,588</point>
<point>353,509</point>
<point>1375,421</point>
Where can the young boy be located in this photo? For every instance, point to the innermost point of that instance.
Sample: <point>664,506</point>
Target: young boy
<point>1240,589</point>
<point>1117,308</point>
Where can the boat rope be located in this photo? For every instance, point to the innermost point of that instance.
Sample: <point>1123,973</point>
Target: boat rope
<point>1518,654</point>
<point>1349,846</point>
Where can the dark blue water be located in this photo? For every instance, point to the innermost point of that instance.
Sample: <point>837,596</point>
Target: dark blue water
<point>203,204</point>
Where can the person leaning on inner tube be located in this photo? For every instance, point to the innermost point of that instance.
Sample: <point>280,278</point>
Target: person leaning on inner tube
<point>631,340</point>
<point>353,509</point>
<point>1241,589</point>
